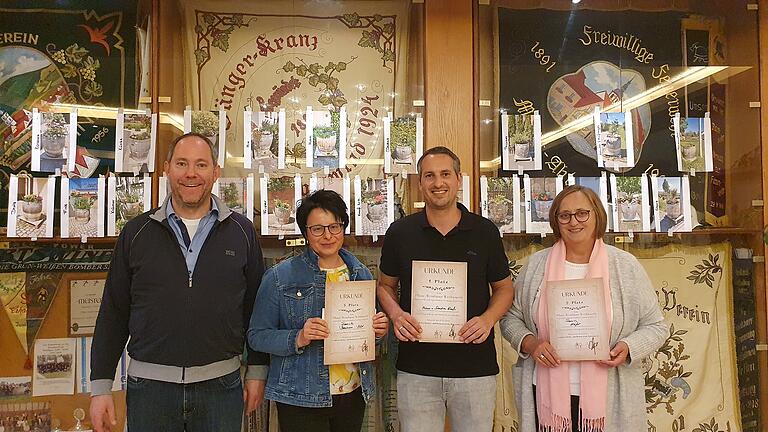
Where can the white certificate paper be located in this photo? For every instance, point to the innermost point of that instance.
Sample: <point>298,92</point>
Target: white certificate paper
<point>85,300</point>
<point>54,367</point>
<point>439,299</point>
<point>349,310</point>
<point>578,326</point>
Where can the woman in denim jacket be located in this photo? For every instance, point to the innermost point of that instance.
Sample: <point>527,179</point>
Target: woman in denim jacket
<point>286,323</point>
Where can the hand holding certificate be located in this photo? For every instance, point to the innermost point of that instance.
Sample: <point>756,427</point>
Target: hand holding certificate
<point>578,326</point>
<point>349,312</point>
<point>439,299</point>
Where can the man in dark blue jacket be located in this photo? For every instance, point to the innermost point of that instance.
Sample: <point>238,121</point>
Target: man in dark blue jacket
<point>181,285</point>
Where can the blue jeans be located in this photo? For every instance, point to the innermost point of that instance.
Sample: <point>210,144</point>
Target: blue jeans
<point>422,402</point>
<point>208,406</point>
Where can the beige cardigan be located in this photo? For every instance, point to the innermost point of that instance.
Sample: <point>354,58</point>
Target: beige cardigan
<point>637,320</point>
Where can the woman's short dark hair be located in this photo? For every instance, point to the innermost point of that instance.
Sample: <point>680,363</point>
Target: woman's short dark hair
<point>601,217</point>
<point>324,199</point>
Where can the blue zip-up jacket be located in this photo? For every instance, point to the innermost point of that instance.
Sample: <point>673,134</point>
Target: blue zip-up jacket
<point>173,319</point>
<point>292,292</point>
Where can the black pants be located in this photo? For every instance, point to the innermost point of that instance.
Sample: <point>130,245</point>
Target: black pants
<point>574,412</point>
<point>346,415</point>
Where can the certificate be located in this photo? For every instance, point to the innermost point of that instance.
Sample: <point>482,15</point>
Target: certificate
<point>439,299</point>
<point>578,326</point>
<point>349,310</point>
<point>84,303</point>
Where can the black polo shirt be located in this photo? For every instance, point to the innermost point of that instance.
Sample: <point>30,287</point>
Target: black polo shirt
<point>476,241</point>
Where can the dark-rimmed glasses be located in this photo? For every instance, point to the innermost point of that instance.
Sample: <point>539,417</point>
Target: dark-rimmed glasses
<point>581,215</point>
<point>319,230</point>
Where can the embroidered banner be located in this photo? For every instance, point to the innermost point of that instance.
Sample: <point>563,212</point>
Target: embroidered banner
<point>296,54</point>
<point>84,54</point>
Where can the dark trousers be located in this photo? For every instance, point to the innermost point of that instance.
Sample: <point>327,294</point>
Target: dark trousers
<point>574,412</point>
<point>346,415</point>
<point>208,406</point>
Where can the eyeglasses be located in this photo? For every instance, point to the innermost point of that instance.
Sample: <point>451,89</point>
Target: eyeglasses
<point>319,230</point>
<point>565,217</point>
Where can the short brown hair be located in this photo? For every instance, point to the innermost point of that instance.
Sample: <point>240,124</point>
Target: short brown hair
<point>601,218</point>
<point>172,147</point>
<point>440,150</point>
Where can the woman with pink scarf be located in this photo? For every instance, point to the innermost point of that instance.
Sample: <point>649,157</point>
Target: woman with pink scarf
<point>554,395</point>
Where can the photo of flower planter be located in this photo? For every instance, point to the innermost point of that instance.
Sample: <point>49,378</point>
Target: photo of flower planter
<point>80,206</point>
<point>402,133</point>
<point>54,135</point>
<point>612,136</point>
<point>282,211</point>
<point>264,139</point>
<point>233,194</point>
<point>541,208</point>
<point>375,209</point>
<point>32,208</point>
<point>672,203</point>
<point>280,201</point>
<point>82,213</point>
<point>521,136</point>
<point>629,208</point>
<point>498,209</point>
<point>206,123</point>
<point>130,199</point>
<point>325,141</point>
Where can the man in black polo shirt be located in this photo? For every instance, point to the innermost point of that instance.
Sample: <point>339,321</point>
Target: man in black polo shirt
<point>435,377</point>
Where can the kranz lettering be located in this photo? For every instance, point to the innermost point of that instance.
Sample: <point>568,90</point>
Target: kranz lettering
<point>264,47</point>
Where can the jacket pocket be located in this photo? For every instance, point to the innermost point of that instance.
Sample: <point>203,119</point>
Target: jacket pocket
<point>297,302</point>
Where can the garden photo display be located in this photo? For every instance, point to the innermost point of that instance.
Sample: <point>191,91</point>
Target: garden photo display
<point>615,147</point>
<point>693,139</point>
<point>374,205</point>
<point>211,124</point>
<point>264,140</point>
<point>128,197</point>
<point>539,194</point>
<point>403,144</point>
<point>237,194</point>
<point>631,203</point>
<point>521,141</point>
<point>279,196</point>
<point>326,138</point>
<point>672,204</point>
<point>341,186</point>
<point>82,207</point>
<point>500,202</point>
<point>135,141</point>
<point>31,206</point>
<point>54,141</point>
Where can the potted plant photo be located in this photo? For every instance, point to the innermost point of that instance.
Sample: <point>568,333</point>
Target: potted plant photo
<point>131,204</point>
<point>671,198</point>
<point>232,197</point>
<point>326,136</point>
<point>520,131</point>
<point>80,206</point>
<point>689,141</point>
<point>376,205</point>
<point>611,139</point>
<point>206,123</point>
<point>403,139</point>
<point>55,133</point>
<point>498,208</point>
<point>264,137</point>
<point>282,210</point>
<point>32,207</point>
<point>542,202</point>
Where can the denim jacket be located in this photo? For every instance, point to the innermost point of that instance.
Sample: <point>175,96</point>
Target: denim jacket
<point>291,292</point>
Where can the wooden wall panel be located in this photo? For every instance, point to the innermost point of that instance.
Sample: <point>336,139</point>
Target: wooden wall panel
<point>449,81</point>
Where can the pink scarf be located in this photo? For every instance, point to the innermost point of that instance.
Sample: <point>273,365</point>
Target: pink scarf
<point>553,395</point>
